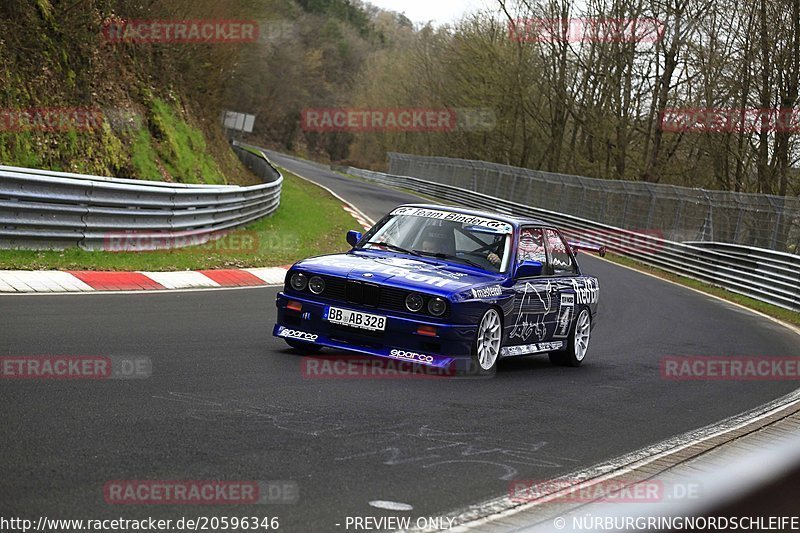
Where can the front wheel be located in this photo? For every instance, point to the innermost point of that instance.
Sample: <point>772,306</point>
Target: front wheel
<point>305,347</point>
<point>578,343</point>
<point>487,341</point>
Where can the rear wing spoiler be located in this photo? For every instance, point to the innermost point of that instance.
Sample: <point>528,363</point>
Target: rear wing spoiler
<point>599,249</point>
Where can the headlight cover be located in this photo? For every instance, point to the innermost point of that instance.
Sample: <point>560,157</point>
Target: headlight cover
<point>316,285</point>
<point>298,281</point>
<point>414,302</point>
<point>437,306</point>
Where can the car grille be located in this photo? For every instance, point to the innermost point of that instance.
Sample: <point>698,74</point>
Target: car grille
<point>335,288</point>
<point>393,298</point>
<point>356,292</point>
<point>360,293</point>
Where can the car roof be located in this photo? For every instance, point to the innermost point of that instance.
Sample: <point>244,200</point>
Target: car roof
<point>515,221</point>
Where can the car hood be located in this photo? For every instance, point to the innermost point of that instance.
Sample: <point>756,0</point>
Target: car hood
<point>429,275</point>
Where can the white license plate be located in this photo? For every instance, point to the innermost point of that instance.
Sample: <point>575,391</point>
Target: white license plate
<point>356,319</point>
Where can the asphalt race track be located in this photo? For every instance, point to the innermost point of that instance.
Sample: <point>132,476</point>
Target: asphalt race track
<point>228,401</point>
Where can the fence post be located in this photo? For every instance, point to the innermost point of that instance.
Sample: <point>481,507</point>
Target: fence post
<point>708,223</point>
<point>603,205</point>
<point>736,233</point>
<point>474,179</point>
<point>678,218</point>
<point>778,222</point>
<point>624,221</point>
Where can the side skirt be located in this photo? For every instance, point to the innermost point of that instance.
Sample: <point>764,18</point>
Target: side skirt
<point>537,347</point>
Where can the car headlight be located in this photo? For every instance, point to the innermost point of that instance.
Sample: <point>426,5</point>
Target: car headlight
<point>414,302</point>
<point>298,281</point>
<point>316,285</point>
<point>437,306</point>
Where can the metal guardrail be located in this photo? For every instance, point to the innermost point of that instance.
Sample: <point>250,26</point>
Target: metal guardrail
<point>254,158</point>
<point>41,209</point>
<point>308,162</point>
<point>765,275</point>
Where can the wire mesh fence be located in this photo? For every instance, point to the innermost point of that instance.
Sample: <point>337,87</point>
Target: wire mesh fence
<point>679,213</point>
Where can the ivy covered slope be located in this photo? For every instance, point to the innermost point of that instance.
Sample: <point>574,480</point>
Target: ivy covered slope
<point>150,111</point>
<point>161,102</point>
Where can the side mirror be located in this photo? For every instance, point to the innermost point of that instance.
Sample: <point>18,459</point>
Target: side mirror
<point>353,237</point>
<point>529,269</point>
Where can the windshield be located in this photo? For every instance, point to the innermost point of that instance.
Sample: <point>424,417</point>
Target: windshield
<point>472,240</point>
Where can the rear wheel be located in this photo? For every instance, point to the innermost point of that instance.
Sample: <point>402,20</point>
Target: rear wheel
<point>487,341</point>
<point>577,344</point>
<point>305,347</point>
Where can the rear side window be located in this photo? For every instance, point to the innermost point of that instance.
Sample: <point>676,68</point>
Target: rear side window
<point>560,258</point>
<point>531,246</point>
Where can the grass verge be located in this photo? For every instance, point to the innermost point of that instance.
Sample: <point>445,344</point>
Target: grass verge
<point>308,222</point>
<point>763,307</point>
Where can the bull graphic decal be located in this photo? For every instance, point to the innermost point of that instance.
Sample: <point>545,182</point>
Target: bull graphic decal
<point>523,327</point>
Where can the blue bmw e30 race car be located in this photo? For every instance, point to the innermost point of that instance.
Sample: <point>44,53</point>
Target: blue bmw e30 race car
<point>434,285</point>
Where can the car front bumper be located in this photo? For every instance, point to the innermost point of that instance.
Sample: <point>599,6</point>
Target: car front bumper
<point>400,340</point>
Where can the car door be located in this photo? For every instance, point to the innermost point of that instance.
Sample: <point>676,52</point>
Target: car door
<point>564,272</point>
<point>535,297</point>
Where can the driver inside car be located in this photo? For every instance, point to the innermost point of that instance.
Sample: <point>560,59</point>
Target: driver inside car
<point>438,241</point>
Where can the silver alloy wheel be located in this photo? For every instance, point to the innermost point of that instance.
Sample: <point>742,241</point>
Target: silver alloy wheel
<point>489,333</point>
<point>583,328</point>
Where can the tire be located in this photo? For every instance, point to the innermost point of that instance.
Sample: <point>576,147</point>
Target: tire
<point>305,347</point>
<point>488,340</point>
<point>578,342</point>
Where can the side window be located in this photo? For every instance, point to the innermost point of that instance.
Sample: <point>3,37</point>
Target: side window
<point>531,246</point>
<point>559,254</point>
